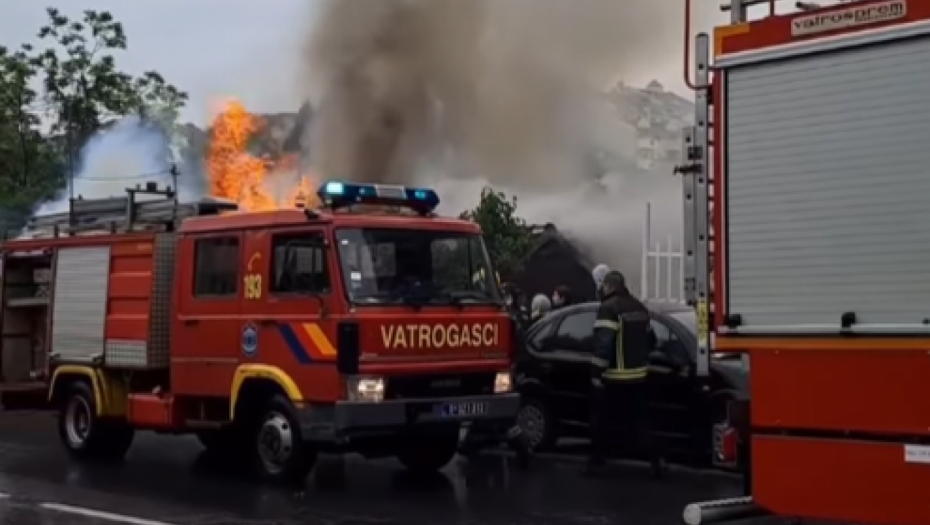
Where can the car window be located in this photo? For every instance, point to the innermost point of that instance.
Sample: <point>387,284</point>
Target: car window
<point>663,333</point>
<point>576,330</point>
<point>687,319</point>
<point>664,336</point>
<point>539,333</point>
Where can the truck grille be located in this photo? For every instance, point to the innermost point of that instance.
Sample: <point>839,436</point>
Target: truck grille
<point>439,385</point>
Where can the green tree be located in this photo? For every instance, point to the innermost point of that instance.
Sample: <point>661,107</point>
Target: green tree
<point>83,87</point>
<point>54,98</point>
<point>506,235</point>
<point>28,163</point>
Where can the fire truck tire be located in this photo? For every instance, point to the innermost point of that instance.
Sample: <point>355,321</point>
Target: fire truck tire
<point>83,434</point>
<point>278,452</point>
<point>428,452</point>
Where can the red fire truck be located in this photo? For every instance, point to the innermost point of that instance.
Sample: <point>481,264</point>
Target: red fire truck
<point>367,325</point>
<point>806,189</point>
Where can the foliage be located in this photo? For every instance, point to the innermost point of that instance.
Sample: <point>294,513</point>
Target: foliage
<point>54,98</point>
<point>83,87</point>
<point>506,235</point>
<point>29,165</point>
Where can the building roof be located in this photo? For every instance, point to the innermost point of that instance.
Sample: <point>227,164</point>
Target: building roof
<point>548,235</point>
<point>554,261</point>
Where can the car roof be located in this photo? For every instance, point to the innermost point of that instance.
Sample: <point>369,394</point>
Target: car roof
<point>664,307</point>
<point>659,307</point>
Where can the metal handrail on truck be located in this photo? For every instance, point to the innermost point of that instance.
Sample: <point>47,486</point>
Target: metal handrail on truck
<point>114,214</point>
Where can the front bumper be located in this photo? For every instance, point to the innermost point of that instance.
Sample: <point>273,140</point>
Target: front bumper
<point>346,419</point>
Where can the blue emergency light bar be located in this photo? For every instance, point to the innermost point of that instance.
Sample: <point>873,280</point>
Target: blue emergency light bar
<point>338,194</point>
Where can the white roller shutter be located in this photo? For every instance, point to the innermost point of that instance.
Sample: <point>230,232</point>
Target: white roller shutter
<point>828,189</point>
<point>79,316</point>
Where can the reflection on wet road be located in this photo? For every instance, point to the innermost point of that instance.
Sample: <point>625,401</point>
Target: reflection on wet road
<point>167,480</point>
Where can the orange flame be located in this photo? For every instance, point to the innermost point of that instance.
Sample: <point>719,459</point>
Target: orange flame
<point>255,184</point>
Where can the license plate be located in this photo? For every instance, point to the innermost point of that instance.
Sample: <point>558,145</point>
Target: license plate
<point>465,409</point>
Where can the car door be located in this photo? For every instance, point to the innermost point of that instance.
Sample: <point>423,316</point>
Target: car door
<point>569,350</point>
<point>532,368</point>
<point>672,387</point>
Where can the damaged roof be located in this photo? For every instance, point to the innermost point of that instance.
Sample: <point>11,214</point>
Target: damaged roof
<point>554,261</point>
<point>547,235</point>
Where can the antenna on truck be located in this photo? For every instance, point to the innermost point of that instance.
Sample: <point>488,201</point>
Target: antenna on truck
<point>160,210</point>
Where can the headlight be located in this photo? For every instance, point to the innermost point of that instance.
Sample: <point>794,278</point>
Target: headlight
<point>502,383</point>
<point>365,388</point>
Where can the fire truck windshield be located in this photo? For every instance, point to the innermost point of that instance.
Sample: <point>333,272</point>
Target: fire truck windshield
<point>396,266</point>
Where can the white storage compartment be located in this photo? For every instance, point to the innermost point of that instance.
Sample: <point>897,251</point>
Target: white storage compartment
<point>827,163</point>
<point>80,305</point>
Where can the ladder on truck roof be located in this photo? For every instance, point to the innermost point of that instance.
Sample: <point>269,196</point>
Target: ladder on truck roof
<point>160,211</point>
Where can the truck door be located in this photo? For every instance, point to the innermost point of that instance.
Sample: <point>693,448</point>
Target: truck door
<point>207,332</point>
<point>291,285</point>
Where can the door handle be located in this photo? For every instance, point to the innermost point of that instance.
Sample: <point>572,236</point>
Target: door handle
<point>266,322</point>
<point>191,321</point>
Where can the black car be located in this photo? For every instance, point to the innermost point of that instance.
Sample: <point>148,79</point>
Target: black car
<point>553,376</point>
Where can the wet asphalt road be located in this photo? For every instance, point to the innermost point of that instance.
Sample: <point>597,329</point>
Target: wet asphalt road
<point>167,481</point>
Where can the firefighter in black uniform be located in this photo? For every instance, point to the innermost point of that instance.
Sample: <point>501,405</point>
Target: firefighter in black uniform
<point>623,341</point>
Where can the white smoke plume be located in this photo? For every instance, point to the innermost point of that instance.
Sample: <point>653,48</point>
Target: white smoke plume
<point>463,93</point>
<point>128,153</point>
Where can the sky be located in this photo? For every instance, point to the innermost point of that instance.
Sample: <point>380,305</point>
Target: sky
<point>209,48</point>
<point>244,48</point>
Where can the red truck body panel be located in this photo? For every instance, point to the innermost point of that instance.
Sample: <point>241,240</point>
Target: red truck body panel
<point>832,416</point>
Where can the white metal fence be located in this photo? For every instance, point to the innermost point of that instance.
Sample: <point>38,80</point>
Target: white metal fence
<point>662,268</point>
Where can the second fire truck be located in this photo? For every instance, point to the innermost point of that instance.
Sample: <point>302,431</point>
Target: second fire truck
<point>808,250</point>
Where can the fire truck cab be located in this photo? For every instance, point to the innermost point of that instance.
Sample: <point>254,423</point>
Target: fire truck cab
<point>365,325</point>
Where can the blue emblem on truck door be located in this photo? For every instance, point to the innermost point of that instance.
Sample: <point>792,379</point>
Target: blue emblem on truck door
<point>249,340</point>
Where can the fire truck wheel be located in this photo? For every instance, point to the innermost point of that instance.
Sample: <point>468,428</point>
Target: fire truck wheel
<point>83,434</point>
<point>279,452</point>
<point>428,452</point>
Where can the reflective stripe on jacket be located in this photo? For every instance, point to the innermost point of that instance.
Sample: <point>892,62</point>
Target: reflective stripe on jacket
<point>622,337</point>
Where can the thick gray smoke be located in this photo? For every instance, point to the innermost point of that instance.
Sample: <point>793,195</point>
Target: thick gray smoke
<point>462,93</point>
<point>126,154</point>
